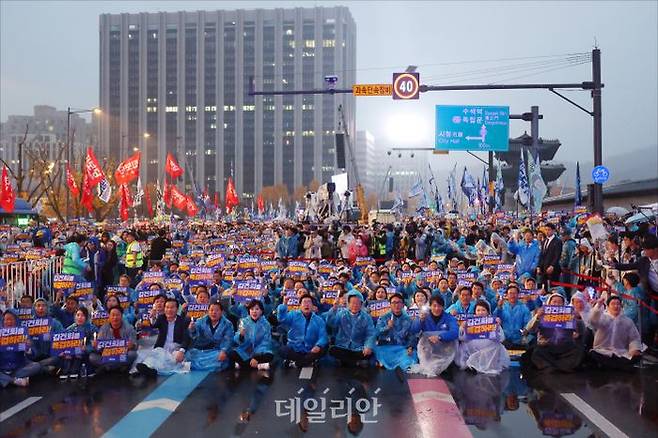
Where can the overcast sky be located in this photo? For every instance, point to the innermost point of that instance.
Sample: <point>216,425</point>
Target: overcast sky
<point>49,55</point>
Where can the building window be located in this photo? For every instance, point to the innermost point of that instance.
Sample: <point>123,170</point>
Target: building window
<point>328,43</point>
<point>171,109</point>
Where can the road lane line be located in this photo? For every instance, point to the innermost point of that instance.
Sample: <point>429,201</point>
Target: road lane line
<point>18,407</point>
<point>592,415</point>
<point>438,414</point>
<point>145,418</point>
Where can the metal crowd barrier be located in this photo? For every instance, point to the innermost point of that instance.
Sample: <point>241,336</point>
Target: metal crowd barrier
<point>31,277</point>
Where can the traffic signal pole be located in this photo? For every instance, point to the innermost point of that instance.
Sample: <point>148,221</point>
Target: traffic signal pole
<point>595,85</point>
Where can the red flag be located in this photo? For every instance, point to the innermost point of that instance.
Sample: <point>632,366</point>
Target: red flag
<point>87,196</point>
<point>149,206</point>
<point>92,169</point>
<point>7,194</point>
<point>167,194</point>
<point>231,196</point>
<point>70,182</point>
<point>192,209</point>
<point>216,200</point>
<point>178,198</point>
<point>126,202</point>
<point>261,204</point>
<point>172,167</point>
<point>128,170</point>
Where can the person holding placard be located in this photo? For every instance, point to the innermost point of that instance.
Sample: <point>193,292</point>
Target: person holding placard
<point>559,337</point>
<point>465,305</point>
<point>40,350</point>
<point>70,364</point>
<point>307,333</point>
<point>212,339</point>
<point>15,367</point>
<point>253,339</point>
<point>116,328</point>
<point>481,347</point>
<point>514,317</point>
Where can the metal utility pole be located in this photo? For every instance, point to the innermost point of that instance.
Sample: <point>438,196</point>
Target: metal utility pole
<point>596,114</point>
<point>68,155</point>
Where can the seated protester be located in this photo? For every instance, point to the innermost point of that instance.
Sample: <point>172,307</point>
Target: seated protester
<point>147,335</point>
<point>477,289</point>
<point>582,309</point>
<point>128,312</point>
<point>201,296</point>
<point>557,349</point>
<point>420,300</point>
<point>438,341</point>
<point>212,337</point>
<point>216,287</point>
<point>617,343</point>
<point>40,350</point>
<point>530,283</point>
<point>443,291</point>
<point>487,356</point>
<point>496,290</point>
<point>514,317</point>
<point>65,315</point>
<point>355,332</point>
<point>465,305</point>
<point>324,306</point>
<point>70,365</point>
<point>15,367</point>
<point>115,328</point>
<point>379,294</point>
<point>253,339</point>
<point>630,295</point>
<point>395,337</point>
<point>307,333</point>
<point>168,353</point>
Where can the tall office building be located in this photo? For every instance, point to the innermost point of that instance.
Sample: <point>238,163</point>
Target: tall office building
<point>179,82</point>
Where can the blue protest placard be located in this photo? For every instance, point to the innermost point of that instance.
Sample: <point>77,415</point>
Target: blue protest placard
<point>558,317</point>
<point>481,327</point>
<point>13,339</point>
<point>113,350</point>
<point>67,343</point>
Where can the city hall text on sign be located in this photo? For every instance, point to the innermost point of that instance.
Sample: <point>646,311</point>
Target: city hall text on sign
<point>478,128</point>
<point>372,89</point>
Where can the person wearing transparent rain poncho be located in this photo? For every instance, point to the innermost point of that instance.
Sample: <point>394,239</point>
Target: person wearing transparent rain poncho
<point>438,340</point>
<point>487,356</point>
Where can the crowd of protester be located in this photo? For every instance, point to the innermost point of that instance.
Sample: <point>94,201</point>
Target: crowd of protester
<point>249,294</point>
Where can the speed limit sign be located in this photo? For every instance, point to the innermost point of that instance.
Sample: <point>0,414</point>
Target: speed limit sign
<point>406,85</point>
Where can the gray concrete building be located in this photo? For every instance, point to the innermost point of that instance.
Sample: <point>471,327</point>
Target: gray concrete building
<point>178,82</point>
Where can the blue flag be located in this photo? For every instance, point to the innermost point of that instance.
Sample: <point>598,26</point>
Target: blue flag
<point>524,188</point>
<point>468,185</point>
<point>578,196</point>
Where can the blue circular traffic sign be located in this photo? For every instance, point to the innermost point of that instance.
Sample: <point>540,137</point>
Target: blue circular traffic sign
<point>600,174</point>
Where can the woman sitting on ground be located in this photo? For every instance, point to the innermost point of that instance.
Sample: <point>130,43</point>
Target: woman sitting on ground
<point>15,367</point>
<point>487,356</point>
<point>253,339</point>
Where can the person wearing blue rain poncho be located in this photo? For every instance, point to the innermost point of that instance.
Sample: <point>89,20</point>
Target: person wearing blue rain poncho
<point>464,305</point>
<point>253,339</point>
<point>526,252</point>
<point>70,365</point>
<point>438,341</point>
<point>395,337</point>
<point>41,346</point>
<point>514,316</point>
<point>307,333</point>
<point>486,356</point>
<point>15,367</point>
<point>212,338</point>
<point>355,333</point>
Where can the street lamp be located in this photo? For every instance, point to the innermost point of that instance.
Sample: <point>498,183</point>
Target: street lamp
<point>70,111</point>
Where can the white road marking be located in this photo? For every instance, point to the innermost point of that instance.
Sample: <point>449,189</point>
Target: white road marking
<point>163,403</point>
<point>432,395</point>
<point>306,373</point>
<point>592,415</point>
<point>18,407</point>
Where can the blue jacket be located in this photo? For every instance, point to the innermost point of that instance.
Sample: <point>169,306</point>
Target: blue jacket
<point>527,257</point>
<point>64,317</point>
<point>257,338</point>
<point>41,347</point>
<point>87,330</point>
<point>303,334</point>
<point>446,326</point>
<point>401,333</point>
<point>204,339</point>
<point>460,308</point>
<point>73,264</point>
<point>569,256</point>
<point>353,332</point>
<point>513,319</point>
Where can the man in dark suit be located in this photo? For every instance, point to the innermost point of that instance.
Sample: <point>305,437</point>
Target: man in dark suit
<point>549,258</point>
<point>173,341</point>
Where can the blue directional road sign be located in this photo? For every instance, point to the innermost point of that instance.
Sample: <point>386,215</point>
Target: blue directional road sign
<point>472,128</point>
<point>600,174</point>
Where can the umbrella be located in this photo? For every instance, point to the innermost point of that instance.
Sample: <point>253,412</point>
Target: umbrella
<point>619,211</point>
<point>642,216</point>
